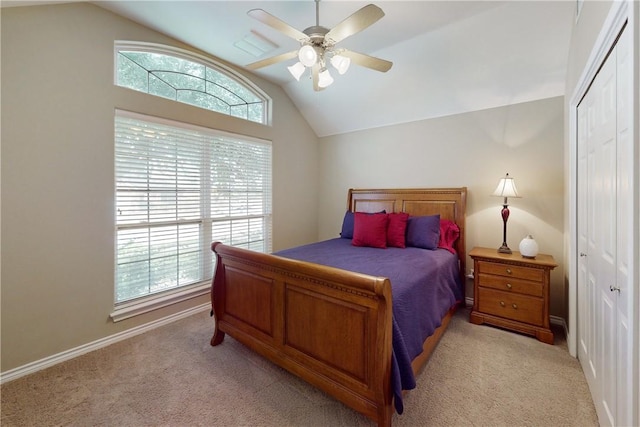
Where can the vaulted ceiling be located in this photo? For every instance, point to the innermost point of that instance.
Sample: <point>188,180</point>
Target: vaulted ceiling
<point>448,56</point>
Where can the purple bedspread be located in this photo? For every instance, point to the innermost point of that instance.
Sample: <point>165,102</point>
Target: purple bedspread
<point>425,284</point>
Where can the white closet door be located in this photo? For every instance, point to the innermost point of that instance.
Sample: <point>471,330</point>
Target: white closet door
<point>602,255</point>
<point>596,238</point>
<point>600,237</point>
<point>585,221</point>
<point>624,251</point>
<point>605,168</point>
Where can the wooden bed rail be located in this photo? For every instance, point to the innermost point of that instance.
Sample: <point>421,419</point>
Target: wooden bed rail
<point>331,327</point>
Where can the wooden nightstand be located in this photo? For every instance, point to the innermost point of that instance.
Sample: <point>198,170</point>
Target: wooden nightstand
<point>512,292</point>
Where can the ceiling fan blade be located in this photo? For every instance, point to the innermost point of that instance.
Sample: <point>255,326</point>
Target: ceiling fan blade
<point>272,60</point>
<point>273,22</point>
<point>367,61</point>
<point>355,23</point>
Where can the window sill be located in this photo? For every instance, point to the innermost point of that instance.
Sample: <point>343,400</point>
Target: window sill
<point>135,308</point>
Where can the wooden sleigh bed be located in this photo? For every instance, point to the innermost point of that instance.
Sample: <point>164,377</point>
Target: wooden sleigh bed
<point>329,326</point>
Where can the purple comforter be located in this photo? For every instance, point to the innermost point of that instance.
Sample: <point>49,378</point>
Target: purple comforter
<point>425,284</point>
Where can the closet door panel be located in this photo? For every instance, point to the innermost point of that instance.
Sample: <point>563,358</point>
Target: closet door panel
<point>584,329</point>
<point>625,166</point>
<point>604,259</point>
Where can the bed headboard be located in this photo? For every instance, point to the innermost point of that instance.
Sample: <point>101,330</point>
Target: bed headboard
<point>449,203</point>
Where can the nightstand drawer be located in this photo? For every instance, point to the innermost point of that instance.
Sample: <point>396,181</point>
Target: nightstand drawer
<point>511,306</point>
<point>519,272</point>
<point>509,284</point>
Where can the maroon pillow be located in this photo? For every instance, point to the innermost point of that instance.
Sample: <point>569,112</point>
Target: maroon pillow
<point>449,233</point>
<point>347,224</point>
<point>396,229</point>
<point>370,230</point>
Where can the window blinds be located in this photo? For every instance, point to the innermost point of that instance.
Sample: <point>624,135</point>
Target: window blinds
<point>178,188</point>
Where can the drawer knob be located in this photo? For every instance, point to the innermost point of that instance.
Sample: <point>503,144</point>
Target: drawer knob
<point>508,271</point>
<point>509,286</point>
<point>502,304</point>
<point>515,306</point>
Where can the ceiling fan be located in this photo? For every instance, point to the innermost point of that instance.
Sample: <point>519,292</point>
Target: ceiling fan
<point>318,45</point>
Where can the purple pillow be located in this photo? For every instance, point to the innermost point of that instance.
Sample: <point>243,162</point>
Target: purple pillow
<point>423,231</point>
<point>348,224</point>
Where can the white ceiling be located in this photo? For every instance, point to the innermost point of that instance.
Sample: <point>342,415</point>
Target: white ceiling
<point>448,56</point>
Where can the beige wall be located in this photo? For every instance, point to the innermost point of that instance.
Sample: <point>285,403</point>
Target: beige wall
<point>58,102</point>
<point>583,37</point>
<point>473,150</point>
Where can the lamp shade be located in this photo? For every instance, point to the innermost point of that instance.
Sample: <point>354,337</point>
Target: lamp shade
<point>307,55</point>
<point>325,79</point>
<point>506,188</point>
<point>296,70</point>
<point>341,63</point>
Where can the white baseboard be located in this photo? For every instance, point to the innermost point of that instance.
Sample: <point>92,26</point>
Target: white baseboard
<point>557,320</point>
<point>41,364</point>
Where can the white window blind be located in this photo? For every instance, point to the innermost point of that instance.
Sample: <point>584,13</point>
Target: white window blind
<point>178,188</point>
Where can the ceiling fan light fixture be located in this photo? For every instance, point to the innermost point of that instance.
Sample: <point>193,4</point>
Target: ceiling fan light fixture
<point>297,70</point>
<point>324,78</point>
<point>317,45</point>
<point>341,63</point>
<point>307,55</point>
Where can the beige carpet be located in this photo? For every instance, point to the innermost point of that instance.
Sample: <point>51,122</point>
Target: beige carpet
<point>171,376</point>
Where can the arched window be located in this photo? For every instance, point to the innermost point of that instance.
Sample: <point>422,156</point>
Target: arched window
<point>189,78</point>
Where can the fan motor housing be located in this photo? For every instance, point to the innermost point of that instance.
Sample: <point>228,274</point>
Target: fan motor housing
<point>316,34</point>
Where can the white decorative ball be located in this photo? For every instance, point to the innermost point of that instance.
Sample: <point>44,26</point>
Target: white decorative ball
<point>529,247</point>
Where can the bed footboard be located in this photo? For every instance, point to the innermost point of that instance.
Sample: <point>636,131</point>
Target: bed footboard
<point>330,327</point>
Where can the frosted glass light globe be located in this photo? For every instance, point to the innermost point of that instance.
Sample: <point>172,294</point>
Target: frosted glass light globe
<point>296,70</point>
<point>307,55</point>
<point>325,79</point>
<point>341,63</point>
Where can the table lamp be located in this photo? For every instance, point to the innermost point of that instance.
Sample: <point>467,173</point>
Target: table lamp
<point>506,188</point>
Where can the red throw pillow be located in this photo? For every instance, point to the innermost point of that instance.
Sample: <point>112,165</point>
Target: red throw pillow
<point>449,233</point>
<point>370,230</point>
<point>396,230</point>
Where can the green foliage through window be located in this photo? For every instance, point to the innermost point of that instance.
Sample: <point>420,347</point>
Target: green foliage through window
<point>189,81</point>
